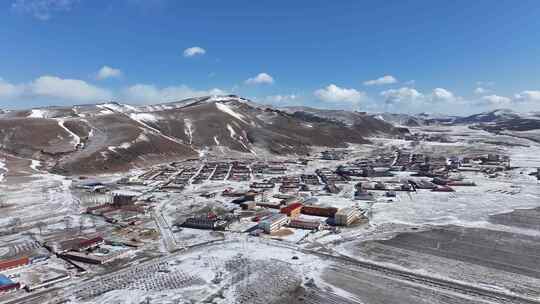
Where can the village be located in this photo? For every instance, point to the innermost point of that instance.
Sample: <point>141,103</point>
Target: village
<point>173,207</point>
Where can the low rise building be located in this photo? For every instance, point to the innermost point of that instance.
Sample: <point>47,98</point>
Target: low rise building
<point>292,210</point>
<point>262,185</point>
<point>363,195</point>
<point>75,244</point>
<point>7,285</point>
<point>124,197</point>
<point>304,224</point>
<point>204,222</point>
<point>13,263</point>
<point>346,216</point>
<point>249,205</point>
<point>273,223</point>
<point>319,211</point>
<point>95,258</point>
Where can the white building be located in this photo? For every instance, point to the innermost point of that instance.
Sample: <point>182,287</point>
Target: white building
<point>346,216</point>
<point>273,223</point>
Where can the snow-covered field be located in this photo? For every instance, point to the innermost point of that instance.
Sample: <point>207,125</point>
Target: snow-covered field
<point>226,272</point>
<point>469,206</point>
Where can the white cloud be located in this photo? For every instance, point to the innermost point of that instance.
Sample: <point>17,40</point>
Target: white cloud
<point>442,95</point>
<point>528,96</point>
<point>147,93</point>
<point>68,89</point>
<point>108,72</point>
<point>402,95</point>
<point>53,87</point>
<point>42,9</point>
<point>194,51</point>
<point>333,93</point>
<point>9,91</point>
<point>407,96</point>
<point>280,99</point>
<point>495,100</point>
<point>387,79</point>
<point>481,90</point>
<point>261,78</point>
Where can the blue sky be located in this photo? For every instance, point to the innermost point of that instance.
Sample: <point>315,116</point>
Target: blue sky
<point>403,56</point>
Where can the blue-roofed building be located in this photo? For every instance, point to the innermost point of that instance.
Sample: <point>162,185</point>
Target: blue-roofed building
<point>5,281</point>
<point>7,285</point>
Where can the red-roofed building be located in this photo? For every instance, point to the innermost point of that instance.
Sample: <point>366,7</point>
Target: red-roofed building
<point>292,210</point>
<point>15,263</point>
<point>89,243</point>
<point>319,211</point>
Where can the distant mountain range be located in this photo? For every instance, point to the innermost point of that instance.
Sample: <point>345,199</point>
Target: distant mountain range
<point>500,119</point>
<point>112,137</point>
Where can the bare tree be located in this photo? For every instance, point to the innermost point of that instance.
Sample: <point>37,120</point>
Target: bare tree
<point>14,224</point>
<point>81,223</point>
<point>68,220</point>
<point>40,226</point>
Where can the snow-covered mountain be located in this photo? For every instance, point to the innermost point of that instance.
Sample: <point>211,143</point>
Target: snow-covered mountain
<point>488,117</point>
<point>113,136</point>
<point>502,120</point>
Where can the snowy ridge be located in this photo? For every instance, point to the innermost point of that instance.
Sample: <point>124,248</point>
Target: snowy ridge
<point>118,107</point>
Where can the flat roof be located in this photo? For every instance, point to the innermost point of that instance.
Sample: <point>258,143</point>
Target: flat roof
<point>5,280</point>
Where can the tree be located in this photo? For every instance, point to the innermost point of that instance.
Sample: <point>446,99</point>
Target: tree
<point>14,223</point>
<point>67,221</point>
<point>40,226</point>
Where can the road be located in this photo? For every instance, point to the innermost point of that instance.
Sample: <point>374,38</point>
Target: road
<point>165,231</point>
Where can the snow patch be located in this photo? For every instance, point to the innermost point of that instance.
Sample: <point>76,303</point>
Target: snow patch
<point>121,108</point>
<point>36,113</point>
<point>188,130</point>
<point>142,138</point>
<point>35,164</point>
<point>76,139</point>
<point>3,169</point>
<point>231,130</point>
<point>239,139</point>
<point>226,109</point>
<point>125,145</point>
<point>105,112</point>
<point>144,117</point>
<point>219,144</point>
